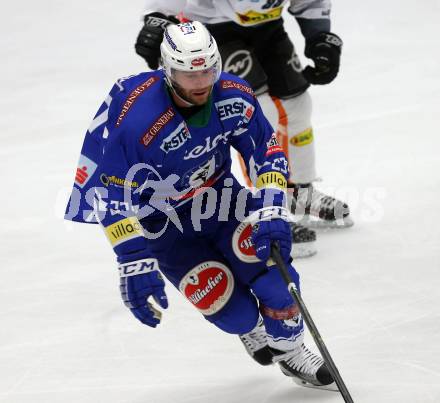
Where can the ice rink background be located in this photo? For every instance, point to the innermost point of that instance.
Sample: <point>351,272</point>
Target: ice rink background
<point>65,335</point>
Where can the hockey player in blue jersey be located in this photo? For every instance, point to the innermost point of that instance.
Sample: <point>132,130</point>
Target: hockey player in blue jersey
<point>155,171</point>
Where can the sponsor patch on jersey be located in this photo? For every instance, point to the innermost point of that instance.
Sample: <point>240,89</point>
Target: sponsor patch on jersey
<point>242,243</point>
<point>209,145</point>
<point>248,112</point>
<point>157,126</point>
<point>124,230</point>
<point>271,179</point>
<point>86,168</point>
<point>176,139</point>
<point>134,95</point>
<point>254,17</point>
<point>303,138</point>
<point>273,146</point>
<point>233,107</point>
<point>119,182</point>
<point>229,84</point>
<point>208,286</point>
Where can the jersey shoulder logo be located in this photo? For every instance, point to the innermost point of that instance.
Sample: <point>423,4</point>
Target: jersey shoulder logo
<point>231,85</point>
<point>134,95</point>
<point>86,168</point>
<point>232,107</point>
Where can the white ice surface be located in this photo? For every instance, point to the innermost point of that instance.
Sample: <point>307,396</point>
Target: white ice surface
<point>65,336</point>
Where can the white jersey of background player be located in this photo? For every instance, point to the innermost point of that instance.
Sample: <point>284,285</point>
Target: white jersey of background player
<point>254,46</point>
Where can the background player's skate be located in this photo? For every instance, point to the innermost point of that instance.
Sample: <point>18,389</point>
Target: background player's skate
<point>314,209</point>
<point>304,241</point>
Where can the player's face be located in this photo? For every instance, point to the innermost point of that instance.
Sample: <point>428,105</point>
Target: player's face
<point>195,86</point>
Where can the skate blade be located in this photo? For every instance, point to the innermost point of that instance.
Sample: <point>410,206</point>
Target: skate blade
<point>318,224</point>
<point>303,250</point>
<point>331,387</point>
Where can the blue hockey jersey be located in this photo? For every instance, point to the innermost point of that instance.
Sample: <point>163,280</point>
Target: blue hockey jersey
<point>141,159</point>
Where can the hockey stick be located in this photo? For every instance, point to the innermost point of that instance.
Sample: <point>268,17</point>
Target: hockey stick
<point>276,256</point>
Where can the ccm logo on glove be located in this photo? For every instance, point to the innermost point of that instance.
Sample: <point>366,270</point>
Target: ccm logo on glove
<point>270,213</point>
<point>138,267</point>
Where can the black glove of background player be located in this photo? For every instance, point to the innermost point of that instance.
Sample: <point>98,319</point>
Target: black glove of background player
<point>325,50</point>
<point>150,37</point>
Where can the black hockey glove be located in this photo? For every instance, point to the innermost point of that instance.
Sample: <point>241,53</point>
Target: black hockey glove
<point>325,50</point>
<point>150,37</point>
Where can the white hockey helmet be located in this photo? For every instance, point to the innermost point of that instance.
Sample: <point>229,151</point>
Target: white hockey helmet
<point>189,47</point>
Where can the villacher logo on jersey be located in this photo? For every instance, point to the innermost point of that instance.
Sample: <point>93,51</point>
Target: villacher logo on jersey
<point>208,286</point>
<point>212,282</point>
<point>157,126</point>
<point>124,230</point>
<point>271,179</point>
<point>242,244</point>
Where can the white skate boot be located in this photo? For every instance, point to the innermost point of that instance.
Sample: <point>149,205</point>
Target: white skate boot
<point>255,343</point>
<point>305,368</point>
<point>303,241</point>
<point>317,209</point>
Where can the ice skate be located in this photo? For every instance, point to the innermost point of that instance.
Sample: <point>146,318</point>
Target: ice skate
<point>305,368</point>
<point>304,241</point>
<point>255,343</point>
<point>318,210</point>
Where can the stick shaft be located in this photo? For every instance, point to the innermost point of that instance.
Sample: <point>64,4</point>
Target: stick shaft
<point>276,256</point>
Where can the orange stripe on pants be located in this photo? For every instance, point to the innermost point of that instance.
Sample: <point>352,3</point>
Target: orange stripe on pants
<point>283,121</point>
<point>282,136</point>
<point>243,169</point>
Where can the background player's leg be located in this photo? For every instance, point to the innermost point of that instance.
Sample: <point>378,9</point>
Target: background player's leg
<point>239,58</point>
<point>288,89</point>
